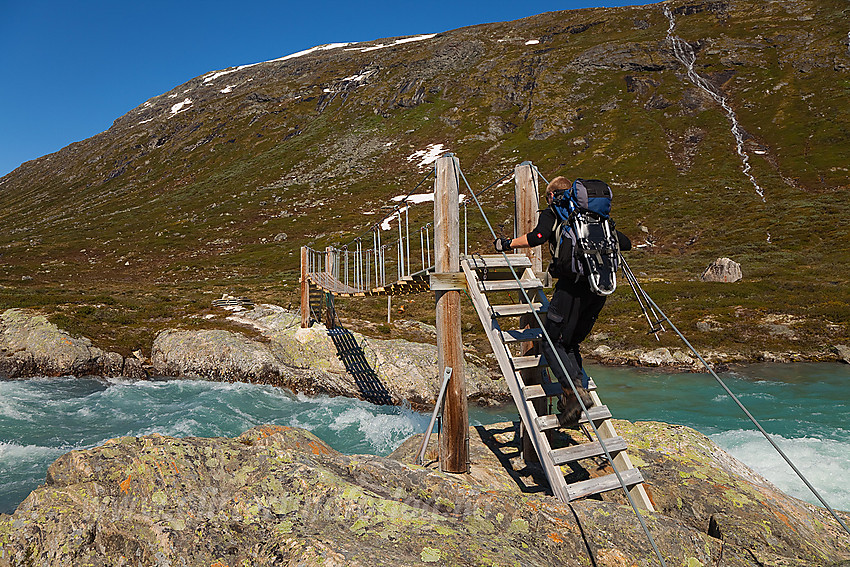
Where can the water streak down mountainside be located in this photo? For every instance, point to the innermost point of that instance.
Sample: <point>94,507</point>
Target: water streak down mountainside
<point>214,186</point>
<point>685,53</point>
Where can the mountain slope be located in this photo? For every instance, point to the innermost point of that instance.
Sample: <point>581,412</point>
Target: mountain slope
<point>184,196</point>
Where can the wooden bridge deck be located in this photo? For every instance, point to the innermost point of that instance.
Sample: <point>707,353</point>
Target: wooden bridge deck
<point>416,283</point>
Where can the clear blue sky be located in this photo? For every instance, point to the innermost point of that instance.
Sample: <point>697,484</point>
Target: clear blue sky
<point>69,68</point>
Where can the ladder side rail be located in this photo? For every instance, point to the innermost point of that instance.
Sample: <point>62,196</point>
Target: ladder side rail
<point>606,430</point>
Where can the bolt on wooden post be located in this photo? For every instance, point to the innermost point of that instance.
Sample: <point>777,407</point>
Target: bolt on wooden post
<point>454,447</point>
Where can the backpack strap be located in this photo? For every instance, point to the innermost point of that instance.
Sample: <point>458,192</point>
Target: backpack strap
<point>556,232</point>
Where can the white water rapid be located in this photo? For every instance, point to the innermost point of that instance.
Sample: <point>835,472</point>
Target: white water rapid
<point>684,53</point>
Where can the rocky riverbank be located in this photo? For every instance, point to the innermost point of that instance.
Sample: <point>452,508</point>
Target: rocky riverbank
<point>281,496</point>
<point>315,360</point>
<point>338,362</point>
<point>30,345</point>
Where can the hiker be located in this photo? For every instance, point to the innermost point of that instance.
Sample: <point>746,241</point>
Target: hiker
<point>573,309</point>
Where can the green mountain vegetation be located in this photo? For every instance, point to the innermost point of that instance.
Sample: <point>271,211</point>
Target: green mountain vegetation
<point>214,186</point>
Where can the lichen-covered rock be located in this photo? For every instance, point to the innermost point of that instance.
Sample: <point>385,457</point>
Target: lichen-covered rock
<point>843,352</point>
<point>692,479</point>
<point>657,357</point>
<point>31,345</point>
<point>213,354</point>
<point>112,364</point>
<point>280,496</point>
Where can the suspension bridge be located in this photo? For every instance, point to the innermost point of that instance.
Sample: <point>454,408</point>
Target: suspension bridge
<point>507,293</point>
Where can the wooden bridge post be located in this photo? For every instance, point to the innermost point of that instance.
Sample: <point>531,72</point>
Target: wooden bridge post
<point>305,289</point>
<point>526,203</point>
<point>330,308</point>
<point>526,207</point>
<point>454,446</point>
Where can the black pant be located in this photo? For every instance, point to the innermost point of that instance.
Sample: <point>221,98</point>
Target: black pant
<point>572,313</point>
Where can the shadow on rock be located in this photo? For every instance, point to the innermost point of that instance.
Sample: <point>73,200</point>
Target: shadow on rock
<point>352,356</point>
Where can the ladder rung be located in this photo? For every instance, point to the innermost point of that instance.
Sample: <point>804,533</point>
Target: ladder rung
<point>511,285</point>
<point>496,261</point>
<point>542,390</point>
<point>588,450</point>
<point>520,335</point>
<point>597,413</point>
<point>605,483</point>
<point>515,309</point>
<point>533,361</point>
<point>551,389</point>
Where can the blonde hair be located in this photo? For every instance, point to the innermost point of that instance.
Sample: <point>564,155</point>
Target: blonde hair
<point>558,184</point>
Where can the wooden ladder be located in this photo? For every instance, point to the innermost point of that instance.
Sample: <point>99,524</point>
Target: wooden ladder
<point>489,275</point>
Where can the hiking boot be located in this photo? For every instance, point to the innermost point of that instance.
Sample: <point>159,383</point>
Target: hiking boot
<point>569,409</point>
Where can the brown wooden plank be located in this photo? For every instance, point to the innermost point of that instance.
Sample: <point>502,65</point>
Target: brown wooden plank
<point>511,285</point>
<point>526,205</point>
<point>515,309</point>
<point>453,441</point>
<point>532,361</point>
<point>522,335</point>
<point>547,390</point>
<point>497,261</point>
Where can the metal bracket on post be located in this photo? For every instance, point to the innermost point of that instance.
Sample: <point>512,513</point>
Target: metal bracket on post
<point>420,458</point>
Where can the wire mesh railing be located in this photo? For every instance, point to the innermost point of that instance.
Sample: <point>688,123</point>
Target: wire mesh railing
<point>390,250</point>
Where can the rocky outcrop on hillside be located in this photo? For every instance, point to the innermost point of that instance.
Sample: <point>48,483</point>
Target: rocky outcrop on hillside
<point>30,345</point>
<point>281,496</point>
<point>722,270</point>
<point>315,360</point>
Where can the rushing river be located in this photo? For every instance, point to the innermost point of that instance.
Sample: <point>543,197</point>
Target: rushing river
<point>805,407</point>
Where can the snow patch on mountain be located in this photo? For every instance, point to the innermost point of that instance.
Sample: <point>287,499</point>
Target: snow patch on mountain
<point>217,74</point>
<point>397,42</point>
<point>181,106</point>
<point>427,156</point>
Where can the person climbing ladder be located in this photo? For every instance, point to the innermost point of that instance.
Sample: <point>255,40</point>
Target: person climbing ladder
<point>577,299</point>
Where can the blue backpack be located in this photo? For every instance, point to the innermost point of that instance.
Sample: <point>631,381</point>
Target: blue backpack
<point>586,244</point>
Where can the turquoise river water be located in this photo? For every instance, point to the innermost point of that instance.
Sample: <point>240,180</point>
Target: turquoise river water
<point>805,407</point>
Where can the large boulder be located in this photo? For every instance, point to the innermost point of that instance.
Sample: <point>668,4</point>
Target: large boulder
<point>722,270</point>
<point>281,496</point>
<point>213,354</point>
<point>30,345</point>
